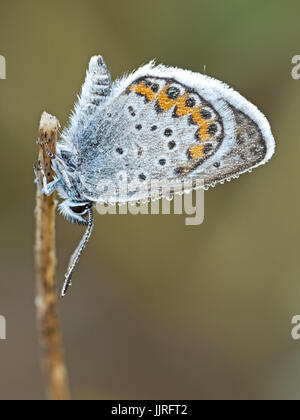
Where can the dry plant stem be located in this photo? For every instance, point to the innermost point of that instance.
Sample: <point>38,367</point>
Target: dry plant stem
<point>45,254</point>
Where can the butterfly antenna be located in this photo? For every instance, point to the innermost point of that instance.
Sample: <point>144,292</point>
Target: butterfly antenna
<point>77,254</point>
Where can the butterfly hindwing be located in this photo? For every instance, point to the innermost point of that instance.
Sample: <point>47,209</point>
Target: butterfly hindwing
<point>171,124</point>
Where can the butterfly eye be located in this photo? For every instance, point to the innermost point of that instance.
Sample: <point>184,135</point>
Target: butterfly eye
<point>80,209</point>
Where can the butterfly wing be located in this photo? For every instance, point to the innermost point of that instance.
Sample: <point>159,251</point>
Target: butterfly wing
<point>173,125</point>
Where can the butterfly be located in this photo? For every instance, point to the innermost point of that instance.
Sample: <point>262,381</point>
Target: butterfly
<point>158,123</point>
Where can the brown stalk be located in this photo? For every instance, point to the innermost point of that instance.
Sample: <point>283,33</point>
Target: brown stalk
<point>52,357</point>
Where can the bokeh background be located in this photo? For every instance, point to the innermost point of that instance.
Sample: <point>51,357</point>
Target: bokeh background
<point>159,310</point>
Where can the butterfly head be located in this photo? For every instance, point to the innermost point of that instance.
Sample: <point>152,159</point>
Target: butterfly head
<point>76,211</point>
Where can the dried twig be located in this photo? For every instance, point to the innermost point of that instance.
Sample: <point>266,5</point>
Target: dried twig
<point>45,256</point>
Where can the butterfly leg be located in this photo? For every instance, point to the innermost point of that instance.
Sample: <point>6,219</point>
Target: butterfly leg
<point>59,167</point>
<point>46,188</point>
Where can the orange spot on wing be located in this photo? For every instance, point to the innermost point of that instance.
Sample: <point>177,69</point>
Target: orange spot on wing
<point>196,152</point>
<point>203,132</point>
<point>182,109</point>
<point>164,101</point>
<point>202,123</point>
<point>143,90</point>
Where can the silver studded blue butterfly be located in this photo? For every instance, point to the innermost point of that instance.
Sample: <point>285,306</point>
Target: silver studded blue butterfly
<point>159,123</point>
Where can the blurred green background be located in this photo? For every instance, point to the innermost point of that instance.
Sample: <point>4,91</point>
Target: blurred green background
<point>159,310</point>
